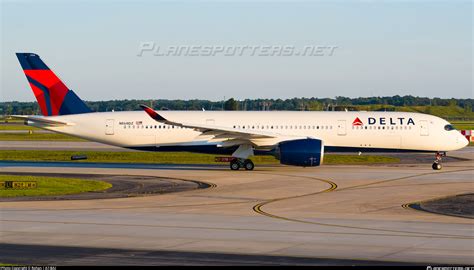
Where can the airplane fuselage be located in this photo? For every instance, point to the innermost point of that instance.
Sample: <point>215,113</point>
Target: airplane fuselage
<point>338,130</point>
<point>294,138</point>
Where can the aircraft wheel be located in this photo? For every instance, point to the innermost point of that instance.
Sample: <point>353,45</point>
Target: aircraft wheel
<point>436,166</point>
<point>248,165</point>
<point>234,165</point>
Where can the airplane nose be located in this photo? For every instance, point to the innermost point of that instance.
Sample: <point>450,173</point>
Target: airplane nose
<point>466,143</point>
<point>462,140</point>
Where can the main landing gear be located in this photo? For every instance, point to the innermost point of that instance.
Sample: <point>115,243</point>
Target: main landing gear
<point>237,163</point>
<point>437,163</point>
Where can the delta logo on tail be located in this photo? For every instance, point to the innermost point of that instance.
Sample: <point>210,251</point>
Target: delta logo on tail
<point>357,122</point>
<point>53,96</point>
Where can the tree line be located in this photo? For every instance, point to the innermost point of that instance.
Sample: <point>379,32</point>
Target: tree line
<point>293,104</point>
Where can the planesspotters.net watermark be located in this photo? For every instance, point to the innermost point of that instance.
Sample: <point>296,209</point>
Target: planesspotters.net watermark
<point>151,48</point>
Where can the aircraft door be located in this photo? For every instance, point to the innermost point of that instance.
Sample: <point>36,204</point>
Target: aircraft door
<point>109,127</point>
<point>424,129</point>
<point>341,127</point>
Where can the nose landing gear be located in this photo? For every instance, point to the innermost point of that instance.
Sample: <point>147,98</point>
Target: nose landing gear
<point>436,166</point>
<point>437,163</point>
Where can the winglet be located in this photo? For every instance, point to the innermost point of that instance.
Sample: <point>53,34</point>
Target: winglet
<point>152,113</point>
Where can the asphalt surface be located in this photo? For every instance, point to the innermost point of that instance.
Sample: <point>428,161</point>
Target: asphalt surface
<point>405,158</point>
<point>330,214</point>
<point>460,206</point>
<point>62,255</point>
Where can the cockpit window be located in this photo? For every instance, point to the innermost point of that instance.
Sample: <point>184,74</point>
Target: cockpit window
<point>449,127</point>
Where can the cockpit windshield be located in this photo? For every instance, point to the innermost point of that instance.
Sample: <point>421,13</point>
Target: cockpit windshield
<point>449,127</point>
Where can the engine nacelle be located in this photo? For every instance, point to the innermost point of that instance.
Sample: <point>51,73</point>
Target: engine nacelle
<point>303,152</point>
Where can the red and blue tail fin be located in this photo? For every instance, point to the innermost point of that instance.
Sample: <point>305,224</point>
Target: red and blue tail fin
<point>53,96</point>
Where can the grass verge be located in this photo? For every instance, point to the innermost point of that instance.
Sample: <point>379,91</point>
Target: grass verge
<point>17,127</point>
<point>355,159</point>
<point>37,137</point>
<point>169,157</point>
<point>49,186</point>
<point>463,125</point>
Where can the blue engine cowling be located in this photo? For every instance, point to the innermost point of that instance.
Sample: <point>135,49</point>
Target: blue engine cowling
<point>303,152</point>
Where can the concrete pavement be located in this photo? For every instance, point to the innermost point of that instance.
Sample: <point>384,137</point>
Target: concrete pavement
<point>336,212</point>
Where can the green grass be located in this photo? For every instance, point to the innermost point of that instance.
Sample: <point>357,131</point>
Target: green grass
<point>466,125</point>
<point>37,137</point>
<point>49,186</point>
<point>355,159</point>
<point>103,156</point>
<point>169,157</point>
<point>22,136</point>
<point>17,127</point>
<point>10,120</point>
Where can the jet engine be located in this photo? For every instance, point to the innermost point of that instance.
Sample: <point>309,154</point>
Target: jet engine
<point>302,152</point>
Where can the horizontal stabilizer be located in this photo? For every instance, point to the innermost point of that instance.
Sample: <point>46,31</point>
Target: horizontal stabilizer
<point>42,120</point>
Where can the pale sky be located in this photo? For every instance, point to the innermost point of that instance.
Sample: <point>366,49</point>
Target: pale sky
<point>419,48</point>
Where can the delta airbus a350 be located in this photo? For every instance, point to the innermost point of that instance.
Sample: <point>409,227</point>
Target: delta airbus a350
<point>298,138</point>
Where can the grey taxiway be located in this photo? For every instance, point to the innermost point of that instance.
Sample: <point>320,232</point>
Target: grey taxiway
<point>324,215</point>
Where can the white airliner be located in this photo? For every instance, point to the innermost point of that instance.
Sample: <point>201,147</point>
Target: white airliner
<point>294,137</point>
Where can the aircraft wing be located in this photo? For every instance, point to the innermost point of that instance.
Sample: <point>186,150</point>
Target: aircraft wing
<point>42,120</point>
<point>219,133</point>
